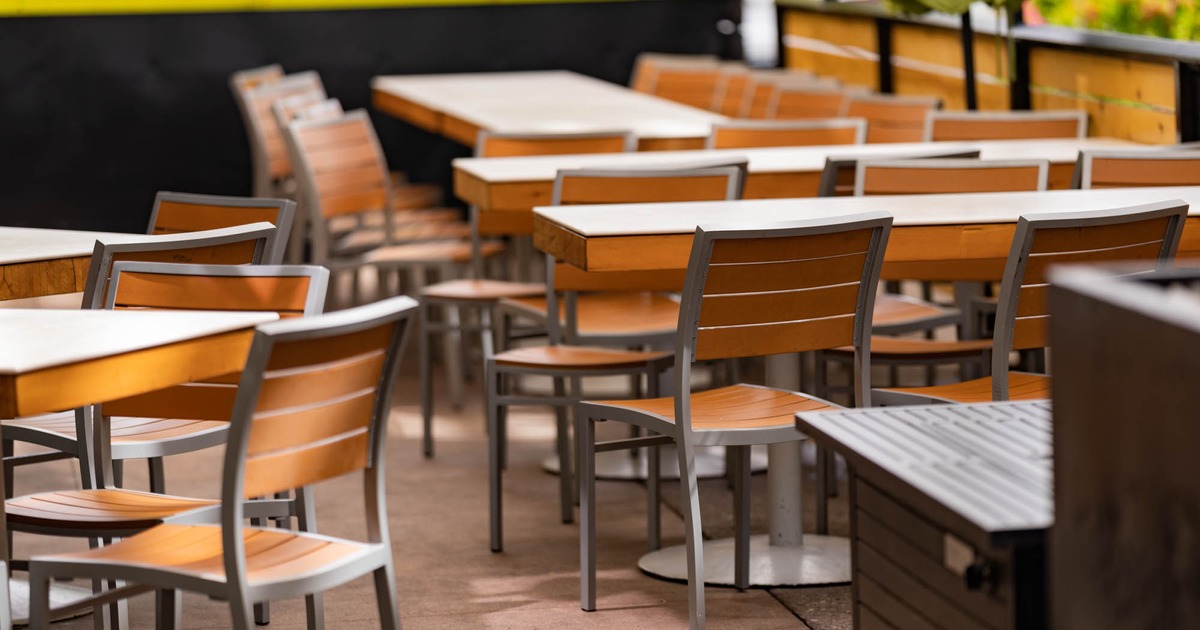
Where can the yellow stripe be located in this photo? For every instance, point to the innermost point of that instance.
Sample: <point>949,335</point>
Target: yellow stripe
<point>31,8</point>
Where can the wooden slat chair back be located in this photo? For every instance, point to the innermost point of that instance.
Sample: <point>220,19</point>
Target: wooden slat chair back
<point>760,89</point>
<point>892,118</point>
<point>790,133</point>
<point>1124,169</point>
<point>960,126</point>
<point>925,176</point>
<point>838,176</point>
<point>788,289</point>
<point>238,245</point>
<point>268,149</point>
<point>1143,238</point>
<point>647,65</point>
<point>341,171</point>
<point>312,404</point>
<point>176,213</point>
<point>789,101</point>
<point>703,88</point>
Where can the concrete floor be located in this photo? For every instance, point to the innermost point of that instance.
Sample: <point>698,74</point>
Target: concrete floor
<point>447,577</point>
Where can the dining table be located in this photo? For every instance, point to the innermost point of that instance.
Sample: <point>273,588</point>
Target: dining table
<point>54,360</point>
<point>933,237</point>
<point>459,106</point>
<point>36,262</point>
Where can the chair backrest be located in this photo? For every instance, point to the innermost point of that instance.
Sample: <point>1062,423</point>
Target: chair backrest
<point>715,181</point>
<point>892,118</point>
<point>490,144</point>
<point>702,87</point>
<point>238,245</point>
<point>760,86</point>
<point>647,65</point>
<point>837,178</point>
<point>268,151</point>
<point>176,213</point>
<point>306,106</point>
<point>1147,235</point>
<point>340,170</point>
<point>950,126</point>
<point>1124,169</point>
<point>781,288</point>
<point>930,176</point>
<point>790,101</point>
<point>786,133</point>
<point>313,404</point>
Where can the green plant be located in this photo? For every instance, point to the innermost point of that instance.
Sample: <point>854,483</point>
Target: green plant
<point>1173,19</point>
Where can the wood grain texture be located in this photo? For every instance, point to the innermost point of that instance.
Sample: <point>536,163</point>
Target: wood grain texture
<point>43,277</point>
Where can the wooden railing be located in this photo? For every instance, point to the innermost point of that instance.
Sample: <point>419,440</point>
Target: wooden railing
<point>1138,88</point>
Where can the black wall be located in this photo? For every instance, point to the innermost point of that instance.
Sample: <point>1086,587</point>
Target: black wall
<point>98,113</point>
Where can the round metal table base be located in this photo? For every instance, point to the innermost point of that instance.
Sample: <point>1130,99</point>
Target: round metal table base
<point>820,560</point>
<point>620,466</point>
<point>61,594</point>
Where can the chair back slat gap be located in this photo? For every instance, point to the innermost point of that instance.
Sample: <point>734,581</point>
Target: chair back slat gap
<point>1099,237</point>
<point>287,389</point>
<point>783,276</point>
<point>778,306</point>
<point>1035,268</point>
<point>302,427</point>
<point>267,474</point>
<point>776,338</point>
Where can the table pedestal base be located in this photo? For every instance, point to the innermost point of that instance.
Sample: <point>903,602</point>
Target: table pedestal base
<point>61,594</point>
<point>820,560</point>
<point>620,466</point>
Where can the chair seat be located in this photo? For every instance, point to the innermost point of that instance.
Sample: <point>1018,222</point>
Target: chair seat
<point>194,551</point>
<point>433,252</point>
<point>407,195</point>
<point>900,313</point>
<point>124,431</point>
<point>348,222</point>
<point>1021,386</point>
<point>576,357</point>
<point>884,347</point>
<point>611,313</point>
<point>108,509</point>
<point>468,290</point>
<point>732,407</point>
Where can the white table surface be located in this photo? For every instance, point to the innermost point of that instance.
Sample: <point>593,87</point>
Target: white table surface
<point>548,102</point>
<point>18,244</point>
<point>35,339</point>
<point>907,210</point>
<point>784,159</point>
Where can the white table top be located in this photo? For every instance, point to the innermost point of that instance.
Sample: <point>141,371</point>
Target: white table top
<point>783,159</point>
<point>35,339</point>
<point>908,210</point>
<point>548,102</point>
<point>19,245</point>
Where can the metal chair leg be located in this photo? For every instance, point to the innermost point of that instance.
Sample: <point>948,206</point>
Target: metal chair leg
<point>586,435</point>
<point>740,458</point>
